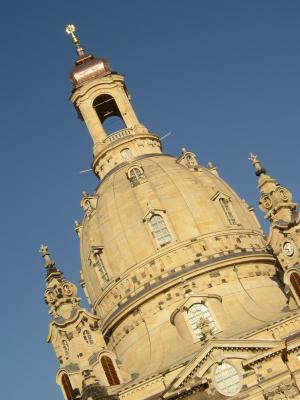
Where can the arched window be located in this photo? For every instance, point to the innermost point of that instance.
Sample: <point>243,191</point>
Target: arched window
<point>135,175</point>
<point>199,316</point>
<point>65,346</point>
<point>226,206</point>
<point>160,230</point>
<point>295,281</point>
<point>126,154</point>
<point>110,372</point>
<point>69,392</point>
<point>108,113</point>
<point>87,336</point>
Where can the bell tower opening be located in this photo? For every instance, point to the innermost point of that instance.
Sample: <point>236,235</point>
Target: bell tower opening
<point>108,113</point>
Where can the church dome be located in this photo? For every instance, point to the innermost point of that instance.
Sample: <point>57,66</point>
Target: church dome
<point>194,205</point>
<point>187,295</point>
<point>159,229</point>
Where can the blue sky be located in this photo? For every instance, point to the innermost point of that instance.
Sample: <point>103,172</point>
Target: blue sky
<point>222,76</point>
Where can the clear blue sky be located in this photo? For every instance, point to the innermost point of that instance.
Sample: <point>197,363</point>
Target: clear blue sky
<point>222,76</point>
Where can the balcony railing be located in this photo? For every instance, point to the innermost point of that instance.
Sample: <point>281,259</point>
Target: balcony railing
<point>117,135</point>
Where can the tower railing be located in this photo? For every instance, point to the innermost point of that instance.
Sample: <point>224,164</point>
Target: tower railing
<point>113,137</point>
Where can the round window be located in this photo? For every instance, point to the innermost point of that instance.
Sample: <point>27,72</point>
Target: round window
<point>227,379</point>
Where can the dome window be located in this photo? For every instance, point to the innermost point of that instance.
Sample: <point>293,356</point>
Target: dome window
<point>225,204</point>
<point>159,230</point>
<point>96,260</point>
<point>87,336</point>
<point>136,175</point>
<point>201,320</point>
<point>226,207</point>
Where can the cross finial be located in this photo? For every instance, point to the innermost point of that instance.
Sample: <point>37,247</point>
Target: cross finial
<point>45,254</point>
<point>253,158</point>
<point>259,169</point>
<point>70,29</point>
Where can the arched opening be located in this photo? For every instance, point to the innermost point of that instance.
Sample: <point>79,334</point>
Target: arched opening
<point>108,113</point>
<point>110,371</point>
<point>69,392</point>
<point>295,281</point>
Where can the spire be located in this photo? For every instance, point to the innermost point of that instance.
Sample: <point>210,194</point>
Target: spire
<point>70,29</point>
<point>275,200</point>
<point>60,294</point>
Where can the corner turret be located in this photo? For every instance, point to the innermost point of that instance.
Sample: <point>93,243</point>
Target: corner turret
<point>284,235</point>
<point>77,340</point>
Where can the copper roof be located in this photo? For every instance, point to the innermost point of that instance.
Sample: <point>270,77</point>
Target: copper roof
<point>88,67</point>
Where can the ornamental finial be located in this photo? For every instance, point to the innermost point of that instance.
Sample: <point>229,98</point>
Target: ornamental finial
<point>45,254</point>
<point>70,29</point>
<point>259,169</point>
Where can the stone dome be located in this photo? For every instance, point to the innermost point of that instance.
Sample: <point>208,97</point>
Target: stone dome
<point>187,199</point>
<point>204,236</point>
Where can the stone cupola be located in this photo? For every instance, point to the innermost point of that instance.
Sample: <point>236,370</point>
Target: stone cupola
<point>102,101</point>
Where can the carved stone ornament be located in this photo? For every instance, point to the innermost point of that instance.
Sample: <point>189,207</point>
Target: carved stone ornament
<point>59,293</point>
<point>188,159</point>
<point>283,193</point>
<point>283,391</point>
<point>266,201</point>
<point>288,248</point>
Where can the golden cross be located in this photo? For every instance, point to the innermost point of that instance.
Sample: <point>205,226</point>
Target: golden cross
<point>70,29</point>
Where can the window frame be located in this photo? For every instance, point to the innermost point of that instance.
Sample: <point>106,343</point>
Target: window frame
<point>225,206</point>
<point>109,369</point>
<point>238,373</point>
<point>227,209</point>
<point>138,178</point>
<point>157,233</point>
<point>179,317</point>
